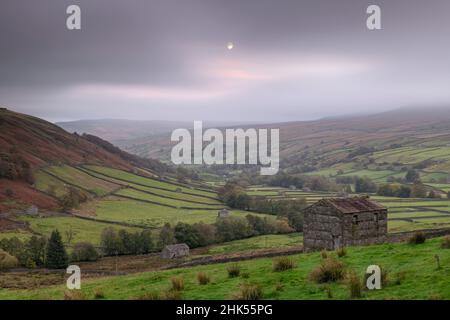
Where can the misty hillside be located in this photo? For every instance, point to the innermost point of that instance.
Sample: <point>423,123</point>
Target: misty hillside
<point>313,145</point>
<point>121,132</point>
<point>28,144</point>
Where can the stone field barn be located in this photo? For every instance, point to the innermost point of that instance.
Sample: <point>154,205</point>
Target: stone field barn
<point>334,223</point>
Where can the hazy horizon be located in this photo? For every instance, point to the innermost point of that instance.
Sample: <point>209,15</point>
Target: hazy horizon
<point>168,60</point>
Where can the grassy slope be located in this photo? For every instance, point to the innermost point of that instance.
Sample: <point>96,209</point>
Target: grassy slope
<point>83,230</point>
<point>422,280</point>
<point>152,215</point>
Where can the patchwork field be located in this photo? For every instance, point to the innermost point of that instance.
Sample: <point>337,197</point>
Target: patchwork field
<point>412,274</point>
<point>152,215</point>
<point>404,214</point>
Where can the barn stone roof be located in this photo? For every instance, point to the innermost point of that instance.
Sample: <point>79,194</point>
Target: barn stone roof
<point>353,204</point>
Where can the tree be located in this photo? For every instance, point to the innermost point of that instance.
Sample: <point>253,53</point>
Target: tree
<point>418,190</point>
<point>7,261</point>
<point>56,257</point>
<point>404,192</point>
<point>412,175</point>
<point>166,235</point>
<point>364,184</point>
<point>84,251</point>
<point>35,248</point>
<point>110,242</point>
<point>185,233</point>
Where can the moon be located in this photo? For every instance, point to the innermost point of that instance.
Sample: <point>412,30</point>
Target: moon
<point>230,45</point>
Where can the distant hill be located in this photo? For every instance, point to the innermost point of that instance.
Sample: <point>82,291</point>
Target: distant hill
<point>315,145</point>
<point>121,132</point>
<point>28,143</point>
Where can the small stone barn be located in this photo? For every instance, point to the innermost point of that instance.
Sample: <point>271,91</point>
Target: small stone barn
<point>223,213</point>
<point>334,223</point>
<point>175,251</point>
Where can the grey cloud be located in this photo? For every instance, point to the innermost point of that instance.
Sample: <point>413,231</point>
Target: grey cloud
<point>161,50</point>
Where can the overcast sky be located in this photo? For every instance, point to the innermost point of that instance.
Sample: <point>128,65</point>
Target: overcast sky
<point>168,60</point>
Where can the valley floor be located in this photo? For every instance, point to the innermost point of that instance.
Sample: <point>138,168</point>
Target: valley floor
<point>412,274</point>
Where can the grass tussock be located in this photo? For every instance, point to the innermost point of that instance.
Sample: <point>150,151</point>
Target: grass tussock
<point>177,283</point>
<point>341,252</point>
<point>99,294</point>
<point>329,270</point>
<point>354,285</point>
<point>203,278</point>
<point>74,295</point>
<point>250,291</point>
<point>417,238</point>
<point>282,264</point>
<point>233,270</point>
<point>445,244</point>
<point>167,295</point>
<point>323,254</point>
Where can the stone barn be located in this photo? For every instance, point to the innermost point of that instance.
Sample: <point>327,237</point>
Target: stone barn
<point>339,222</point>
<point>175,251</point>
<point>223,213</point>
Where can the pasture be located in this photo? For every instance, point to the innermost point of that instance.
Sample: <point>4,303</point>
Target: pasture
<point>409,266</point>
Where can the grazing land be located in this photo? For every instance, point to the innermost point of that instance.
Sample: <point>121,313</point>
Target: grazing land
<point>412,274</point>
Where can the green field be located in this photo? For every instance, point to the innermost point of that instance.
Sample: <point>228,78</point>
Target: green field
<point>82,180</point>
<point>82,230</point>
<point>129,177</point>
<point>255,243</point>
<point>172,202</point>
<point>152,215</point>
<point>412,274</point>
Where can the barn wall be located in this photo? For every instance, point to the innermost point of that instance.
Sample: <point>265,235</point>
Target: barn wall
<point>367,230</point>
<point>321,224</point>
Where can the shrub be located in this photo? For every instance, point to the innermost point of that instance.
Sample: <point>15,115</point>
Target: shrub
<point>282,264</point>
<point>417,238</point>
<point>7,261</point>
<point>177,283</point>
<point>329,270</point>
<point>341,252</point>
<point>84,251</point>
<point>74,295</point>
<point>171,295</point>
<point>279,286</point>
<point>354,285</point>
<point>399,277</point>
<point>98,294</point>
<point>150,296</point>
<point>446,243</point>
<point>202,278</point>
<point>249,291</point>
<point>233,270</point>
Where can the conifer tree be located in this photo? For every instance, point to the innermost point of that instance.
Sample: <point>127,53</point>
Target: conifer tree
<point>56,256</point>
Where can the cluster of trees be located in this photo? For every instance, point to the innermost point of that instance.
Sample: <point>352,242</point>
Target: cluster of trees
<point>235,196</point>
<point>315,183</point>
<point>123,242</point>
<point>417,190</point>
<point>225,229</point>
<point>14,167</point>
<point>37,251</point>
<point>72,199</point>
